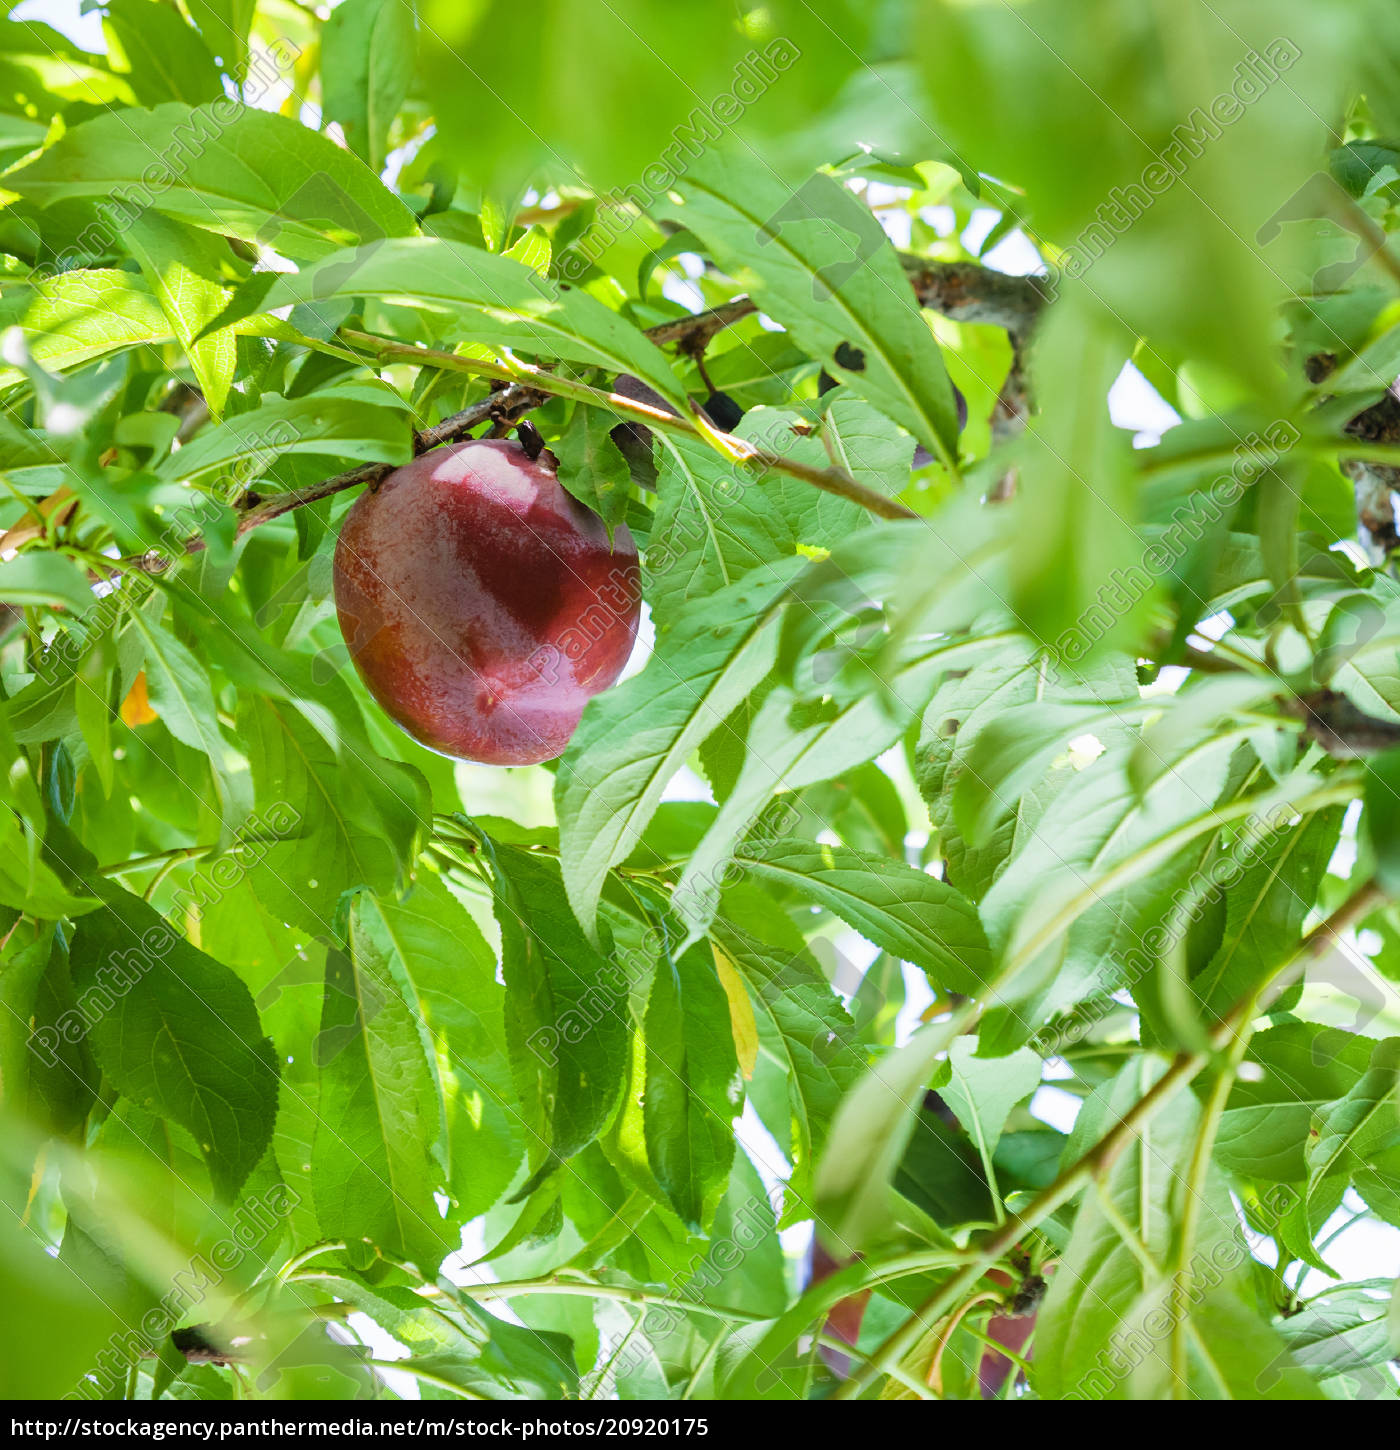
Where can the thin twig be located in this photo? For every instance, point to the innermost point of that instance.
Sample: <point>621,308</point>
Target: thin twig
<point>255,509</point>
<point>830,480</point>
<point>506,404</point>
<point>702,326</point>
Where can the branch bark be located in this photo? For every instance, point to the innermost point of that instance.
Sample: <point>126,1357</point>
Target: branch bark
<point>1374,480</point>
<point>967,292</point>
<point>1343,730</point>
<point>970,292</point>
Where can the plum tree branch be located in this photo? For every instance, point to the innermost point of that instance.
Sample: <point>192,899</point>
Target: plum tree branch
<point>1343,730</point>
<point>831,480</point>
<point>507,403</point>
<point>700,327</point>
<point>255,508</point>
<point>970,292</point>
<point>964,291</point>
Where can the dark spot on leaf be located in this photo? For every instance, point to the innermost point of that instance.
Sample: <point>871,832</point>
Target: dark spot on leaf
<point>724,412</point>
<point>634,442</point>
<point>850,358</point>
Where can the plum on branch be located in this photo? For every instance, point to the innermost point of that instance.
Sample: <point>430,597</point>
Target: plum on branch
<point>482,605</point>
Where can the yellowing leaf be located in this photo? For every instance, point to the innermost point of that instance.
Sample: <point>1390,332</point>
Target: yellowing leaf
<point>136,708</point>
<point>741,1018</point>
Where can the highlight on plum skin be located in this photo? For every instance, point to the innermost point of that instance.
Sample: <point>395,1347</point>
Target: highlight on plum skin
<point>483,606</point>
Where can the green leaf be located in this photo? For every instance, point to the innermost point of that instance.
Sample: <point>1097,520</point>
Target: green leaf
<point>431,942</point>
<point>632,52</point>
<point>532,247</point>
<point>1079,583</point>
<point>792,743</point>
<point>1018,747</point>
<point>372,1169</point>
<point>1348,1135</point>
<point>1056,914</point>
<point>873,1126</point>
<point>183,697</point>
<point>182,266</point>
<point>479,1353</point>
<point>590,466</point>
<point>42,578</point>
<point>754,1278</point>
<point>703,540</point>
<point>692,1089</point>
<point>492,299</point>
<point>232,169</point>
<point>225,25</point>
<point>1264,1131</point>
<point>635,737</point>
<point>1265,911</point>
<point>177,1032</point>
<point>77,316</point>
<point>341,838</point>
<point>55,70</point>
<point>941,1175</point>
<point>1066,103</point>
<point>46,1352</point>
<point>17,133</point>
<point>23,962</point>
<point>909,913</point>
<point>565,1012</point>
<point>26,882</point>
<point>804,1032</point>
<point>715,521</point>
<point>1105,1289</point>
<point>61,1078</point>
<point>961,708</point>
<point>866,444</point>
<point>982,1091</point>
<point>1233,1354</point>
<point>1278,506</point>
<point>165,58</point>
<point>1382,816</point>
<point>1343,1334</point>
<point>22,447</point>
<point>820,264</point>
<point>340,425</point>
<point>367,50</point>
<point>884,594</point>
